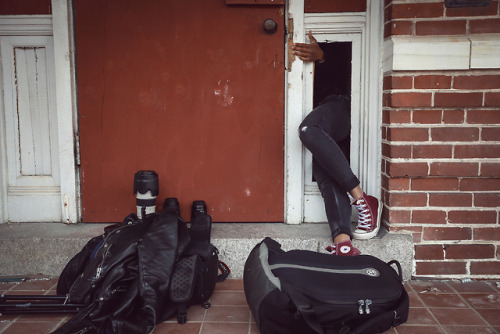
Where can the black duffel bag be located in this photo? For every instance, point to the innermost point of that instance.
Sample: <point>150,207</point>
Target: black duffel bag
<point>301,291</point>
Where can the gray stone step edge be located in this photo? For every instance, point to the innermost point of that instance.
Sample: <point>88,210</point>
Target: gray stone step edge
<point>45,248</point>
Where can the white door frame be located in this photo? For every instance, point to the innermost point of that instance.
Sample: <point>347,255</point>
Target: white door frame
<point>60,26</point>
<point>67,116</point>
<point>365,158</point>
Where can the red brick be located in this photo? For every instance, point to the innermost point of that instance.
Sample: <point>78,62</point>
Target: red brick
<point>399,82</point>
<point>447,27</point>
<point>483,117</point>
<point>453,116</point>
<point>447,233</point>
<point>485,268</point>
<point>399,184</point>
<point>490,134</point>
<point>428,217</point>
<point>432,151</point>
<point>409,100</point>
<point>433,184</point>
<point>450,199</point>
<point>408,134</point>
<point>417,10</point>
<point>484,26</point>
<point>416,231</point>
<point>476,82</point>
<point>492,99</point>
<point>440,268</point>
<point>454,169</point>
<point>472,217</point>
<point>399,28</point>
<point>483,184</point>
<point>427,116</point>
<point>396,116</point>
<point>458,100</point>
<point>403,169</point>
<point>490,169</point>
<point>469,251</point>
<point>396,151</point>
<point>473,11</point>
<point>433,82</point>
<point>477,151</point>
<point>455,134</point>
<point>407,199</point>
<point>429,252</point>
<point>398,216</point>
<point>487,200</point>
<point>487,233</point>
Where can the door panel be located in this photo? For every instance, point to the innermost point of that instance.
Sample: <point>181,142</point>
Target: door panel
<point>191,89</point>
<point>31,155</point>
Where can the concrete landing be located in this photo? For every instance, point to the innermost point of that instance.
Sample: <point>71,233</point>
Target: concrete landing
<point>45,248</point>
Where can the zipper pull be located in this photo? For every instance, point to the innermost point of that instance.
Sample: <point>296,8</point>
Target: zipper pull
<point>361,302</point>
<point>368,303</point>
<point>98,272</point>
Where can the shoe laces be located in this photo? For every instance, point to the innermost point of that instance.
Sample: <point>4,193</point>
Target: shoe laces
<point>364,214</point>
<point>332,249</point>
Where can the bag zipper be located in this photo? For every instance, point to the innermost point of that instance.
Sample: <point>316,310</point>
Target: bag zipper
<point>366,303</point>
<point>368,271</point>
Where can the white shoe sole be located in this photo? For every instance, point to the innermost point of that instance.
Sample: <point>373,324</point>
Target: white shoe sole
<point>363,235</point>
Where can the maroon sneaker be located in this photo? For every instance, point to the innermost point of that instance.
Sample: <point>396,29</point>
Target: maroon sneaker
<point>369,209</point>
<point>344,248</point>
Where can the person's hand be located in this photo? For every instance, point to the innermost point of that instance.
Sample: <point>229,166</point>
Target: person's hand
<point>308,52</point>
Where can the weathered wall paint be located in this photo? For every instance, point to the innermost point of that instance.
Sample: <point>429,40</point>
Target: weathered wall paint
<point>25,7</point>
<point>191,89</point>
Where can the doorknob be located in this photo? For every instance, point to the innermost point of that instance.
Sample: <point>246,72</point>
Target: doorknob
<point>270,26</point>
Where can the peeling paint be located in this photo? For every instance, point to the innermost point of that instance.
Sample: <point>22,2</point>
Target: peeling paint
<point>291,56</point>
<point>222,91</point>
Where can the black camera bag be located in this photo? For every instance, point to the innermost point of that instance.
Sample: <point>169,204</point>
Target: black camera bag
<point>304,292</point>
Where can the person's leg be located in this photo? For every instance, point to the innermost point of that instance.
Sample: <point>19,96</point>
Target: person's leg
<point>338,213</point>
<point>320,132</point>
<point>337,204</point>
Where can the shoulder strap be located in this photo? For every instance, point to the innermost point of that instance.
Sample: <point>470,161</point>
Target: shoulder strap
<point>182,285</point>
<point>225,271</point>
<point>303,305</point>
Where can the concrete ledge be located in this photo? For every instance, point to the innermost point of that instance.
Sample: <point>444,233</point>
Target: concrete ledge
<point>45,248</point>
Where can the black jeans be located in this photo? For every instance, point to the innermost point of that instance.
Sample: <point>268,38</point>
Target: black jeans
<point>320,132</point>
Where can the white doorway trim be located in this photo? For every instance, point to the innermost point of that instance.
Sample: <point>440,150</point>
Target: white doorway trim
<point>366,157</point>
<point>62,20</point>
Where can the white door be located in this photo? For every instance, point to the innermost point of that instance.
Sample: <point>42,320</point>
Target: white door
<point>30,138</point>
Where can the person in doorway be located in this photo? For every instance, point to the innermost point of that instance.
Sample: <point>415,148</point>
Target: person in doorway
<point>322,132</point>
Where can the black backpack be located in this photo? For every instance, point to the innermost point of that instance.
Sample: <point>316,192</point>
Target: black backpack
<point>196,267</point>
<point>306,292</point>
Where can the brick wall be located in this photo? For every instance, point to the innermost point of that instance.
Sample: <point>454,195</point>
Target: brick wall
<point>441,145</point>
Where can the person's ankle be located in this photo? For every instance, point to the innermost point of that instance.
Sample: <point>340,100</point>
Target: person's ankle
<point>341,238</point>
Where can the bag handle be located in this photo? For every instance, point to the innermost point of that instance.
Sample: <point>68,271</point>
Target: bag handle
<point>399,271</point>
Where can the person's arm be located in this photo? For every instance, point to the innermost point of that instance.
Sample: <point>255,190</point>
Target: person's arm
<point>309,52</point>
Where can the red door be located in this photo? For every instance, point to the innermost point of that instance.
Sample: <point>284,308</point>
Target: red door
<point>192,89</point>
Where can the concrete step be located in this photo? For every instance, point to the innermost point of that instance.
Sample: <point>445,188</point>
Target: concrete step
<point>45,248</point>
